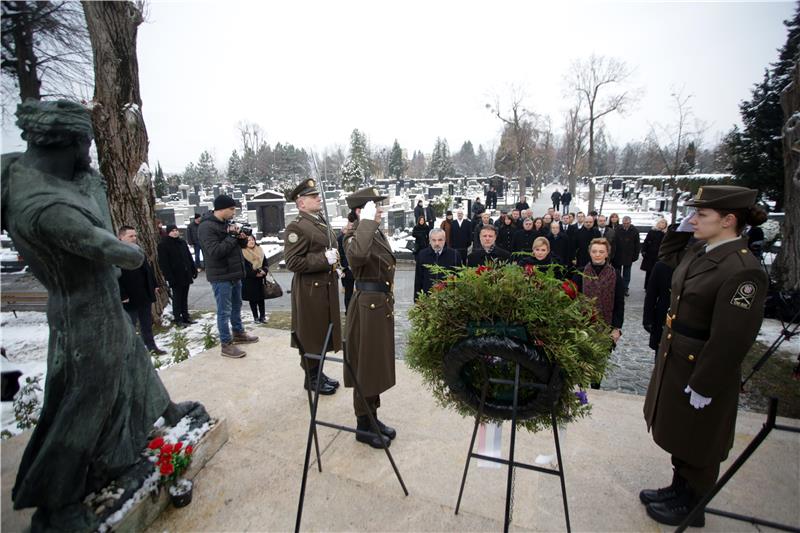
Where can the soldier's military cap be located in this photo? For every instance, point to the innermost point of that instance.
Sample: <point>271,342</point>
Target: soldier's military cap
<point>307,187</point>
<point>361,197</point>
<point>724,197</point>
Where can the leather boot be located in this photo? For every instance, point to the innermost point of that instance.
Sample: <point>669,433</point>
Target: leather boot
<point>386,430</point>
<point>648,496</point>
<point>229,350</point>
<point>673,512</point>
<point>365,434</point>
<point>242,337</point>
<point>332,382</point>
<point>325,388</point>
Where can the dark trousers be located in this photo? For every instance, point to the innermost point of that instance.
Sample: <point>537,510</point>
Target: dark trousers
<point>625,270</point>
<point>373,402</point>
<point>141,314</point>
<point>348,285</point>
<point>700,478</point>
<point>565,209</point>
<point>647,277</point>
<point>180,302</point>
<point>463,253</point>
<point>258,309</point>
<point>556,205</point>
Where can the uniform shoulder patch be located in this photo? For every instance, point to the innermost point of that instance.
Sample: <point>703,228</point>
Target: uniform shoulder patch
<point>292,237</point>
<point>743,297</point>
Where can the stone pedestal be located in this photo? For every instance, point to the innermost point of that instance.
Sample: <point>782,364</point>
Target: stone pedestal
<point>269,207</point>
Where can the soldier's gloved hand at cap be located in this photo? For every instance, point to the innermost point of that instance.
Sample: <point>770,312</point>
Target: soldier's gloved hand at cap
<point>696,400</point>
<point>685,225</point>
<point>332,255</point>
<point>368,211</point>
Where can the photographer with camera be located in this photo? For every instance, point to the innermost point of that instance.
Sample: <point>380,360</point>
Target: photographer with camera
<point>222,245</point>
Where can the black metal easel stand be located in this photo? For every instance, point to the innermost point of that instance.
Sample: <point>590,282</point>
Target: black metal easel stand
<point>511,462</point>
<point>313,402</point>
<point>787,332</point>
<point>769,425</point>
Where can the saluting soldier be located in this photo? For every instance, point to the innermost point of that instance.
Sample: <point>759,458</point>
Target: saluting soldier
<point>310,252</point>
<point>370,316</point>
<point>716,308</point>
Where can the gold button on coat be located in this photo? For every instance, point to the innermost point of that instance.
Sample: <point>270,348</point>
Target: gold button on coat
<point>316,283</point>
<point>372,306</point>
<point>691,357</point>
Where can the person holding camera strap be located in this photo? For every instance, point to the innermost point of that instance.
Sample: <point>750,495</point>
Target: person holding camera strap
<point>225,270</point>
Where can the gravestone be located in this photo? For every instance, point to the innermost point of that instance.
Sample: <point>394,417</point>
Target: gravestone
<point>216,190</point>
<point>166,215</point>
<point>433,192</point>
<point>396,219</point>
<point>184,191</point>
<point>270,211</point>
<point>193,198</point>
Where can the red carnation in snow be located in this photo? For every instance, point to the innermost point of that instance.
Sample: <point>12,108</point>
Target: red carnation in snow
<point>188,450</point>
<point>570,289</point>
<point>156,443</point>
<point>177,447</point>
<point>167,469</point>
<point>166,449</point>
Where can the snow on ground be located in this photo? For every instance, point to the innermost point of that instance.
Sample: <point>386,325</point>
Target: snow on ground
<point>770,330</point>
<point>25,338</point>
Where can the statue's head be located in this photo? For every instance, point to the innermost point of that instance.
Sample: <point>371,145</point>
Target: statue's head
<point>57,124</point>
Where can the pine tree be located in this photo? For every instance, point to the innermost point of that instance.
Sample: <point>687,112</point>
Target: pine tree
<point>352,175</point>
<point>159,182</point>
<point>465,161</point>
<point>207,173</point>
<point>359,152</point>
<point>235,168</point>
<point>397,164</point>
<point>483,165</point>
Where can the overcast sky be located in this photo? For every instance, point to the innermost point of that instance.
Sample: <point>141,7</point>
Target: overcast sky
<point>309,72</point>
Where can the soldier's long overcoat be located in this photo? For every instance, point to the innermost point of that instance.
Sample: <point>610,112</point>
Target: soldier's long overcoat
<point>315,285</point>
<point>720,292</point>
<point>370,316</point>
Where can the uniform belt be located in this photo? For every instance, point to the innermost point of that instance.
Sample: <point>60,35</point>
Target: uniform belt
<point>686,331</point>
<point>372,287</point>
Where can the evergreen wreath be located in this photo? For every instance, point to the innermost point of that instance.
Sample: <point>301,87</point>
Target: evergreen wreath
<point>522,304</point>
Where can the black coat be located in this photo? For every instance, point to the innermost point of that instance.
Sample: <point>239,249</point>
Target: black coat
<point>191,233</point>
<point>253,286</point>
<point>544,264</point>
<point>420,234</point>
<point>138,286</point>
<point>477,209</point>
<point>566,198</point>
<point>477,224</point>
<point>523,240</point>
<point>424,278</point>
<point>521,206</point>
<point>419,211</point>
<point>505,236</point>
<point>479,256</point>
<point>176,261</point>
<point>461,234</point>
<point>224,260</point>
<point>582,239</point>
<point>560,248</point>
<point>627,245</point>
<point>556,196</point>
<point>650,248</point>
<point>656,301</point>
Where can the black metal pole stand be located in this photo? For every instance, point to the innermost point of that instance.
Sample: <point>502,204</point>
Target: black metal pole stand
<point>510,462</point>
<point>313,403</point>
<point>769,425</point>
<point>787,332</point>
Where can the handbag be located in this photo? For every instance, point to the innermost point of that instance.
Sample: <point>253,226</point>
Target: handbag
<point>271,288</point>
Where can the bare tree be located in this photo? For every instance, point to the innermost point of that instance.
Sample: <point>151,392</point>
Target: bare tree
<point>119,126</point>
<point>520,135</point>
<point>574,144</point>
<point>788,261</point>
<point>599,82</point>
<point>670,141</point>
<point>46,51</point>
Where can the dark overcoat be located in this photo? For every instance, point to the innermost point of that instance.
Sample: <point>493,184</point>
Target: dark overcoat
<point>656,301</point>
<point>370,315</point>
<point>461,234</point>
<point>315,285</point>
<point>581,241</point>
<point>720,293</point>
<point>253,285</point>
<point>650,248</point>
<point>423,277</point>
<point>176,261</point>
<point>626,245</point>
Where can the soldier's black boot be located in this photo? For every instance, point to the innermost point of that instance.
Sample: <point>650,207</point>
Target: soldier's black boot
<point>325,388</point>
<point>648,496</point>
<point>386,430</point>
<point>330,381</point>
<point>365,434</point>
<point>673,512</point>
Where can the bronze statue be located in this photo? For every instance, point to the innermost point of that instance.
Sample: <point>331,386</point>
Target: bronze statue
<point>102,394</point>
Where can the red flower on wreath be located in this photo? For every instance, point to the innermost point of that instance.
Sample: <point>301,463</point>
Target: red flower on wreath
<point>440,286</point>
<point>156,443</point>
<point>481,269</point>
<point>570,289</point>
<point>529,270</point>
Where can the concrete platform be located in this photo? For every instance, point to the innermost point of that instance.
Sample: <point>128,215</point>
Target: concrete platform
<point>253,482</point>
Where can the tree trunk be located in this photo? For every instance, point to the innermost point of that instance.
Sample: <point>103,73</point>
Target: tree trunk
<point>26,61</point>
<point>591,159</point>
<point>788,261</point>
<point>119,127</point>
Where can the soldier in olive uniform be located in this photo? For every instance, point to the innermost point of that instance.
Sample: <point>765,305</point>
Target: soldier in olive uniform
<point>716,308</point>
<point>310,252</point>
<point>370,316</point>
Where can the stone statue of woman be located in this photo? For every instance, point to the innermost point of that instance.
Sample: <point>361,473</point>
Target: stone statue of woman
<point>102,394</point>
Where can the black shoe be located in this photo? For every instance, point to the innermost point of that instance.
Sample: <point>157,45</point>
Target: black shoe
<point>365,434</point>
<point>330,381</point>
<point>385,430</point>
<point>627,292</point>
<point>189,321</point>
<point>673,512</point>
<point>648,496</point>
<point>157,351</point>
<point>325,388</point>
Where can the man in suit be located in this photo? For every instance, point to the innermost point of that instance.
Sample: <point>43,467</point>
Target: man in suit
<point>487,251</point>
<point>461,234</point>
<point>626,238</point>
<point>582,239</point>
<point>607,233</point>
<point>138,290</point>
<point>436,254</point>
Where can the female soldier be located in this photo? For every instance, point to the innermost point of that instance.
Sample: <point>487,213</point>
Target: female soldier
<point>370,317</point>
<point>716,307</point>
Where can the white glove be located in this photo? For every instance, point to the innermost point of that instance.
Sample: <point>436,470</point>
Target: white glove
<point>685,225</point>
<point>332,255</point>
<point>697,401</point>
<point>369,211</point>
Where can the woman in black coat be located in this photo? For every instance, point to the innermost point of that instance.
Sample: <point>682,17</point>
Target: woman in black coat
<point>177,264</point>
<point>420,234</point>
<point>542,258</point>
<point>253,284</point>
<point>505,233</point>
<point>650,248</point>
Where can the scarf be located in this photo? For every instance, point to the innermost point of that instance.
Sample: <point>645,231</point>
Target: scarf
<point>254,255</point>
<point>601,286</point>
